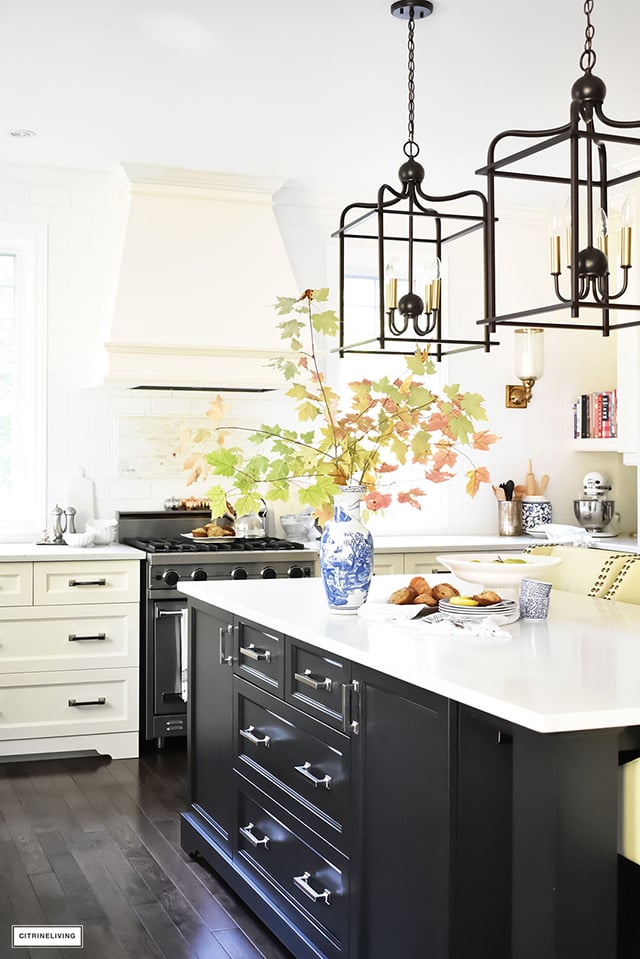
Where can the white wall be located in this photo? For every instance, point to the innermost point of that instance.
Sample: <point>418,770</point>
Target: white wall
<point>84,216</point>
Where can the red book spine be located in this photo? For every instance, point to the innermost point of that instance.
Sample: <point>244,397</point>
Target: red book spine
<point>597,415</point>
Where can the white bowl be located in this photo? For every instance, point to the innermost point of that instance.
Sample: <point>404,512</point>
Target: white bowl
<point>78,539</point>
<point>485,570</point>
<point>102,530</point>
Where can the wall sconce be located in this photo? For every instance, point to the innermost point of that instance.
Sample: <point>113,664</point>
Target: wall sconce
<point>529,347</point>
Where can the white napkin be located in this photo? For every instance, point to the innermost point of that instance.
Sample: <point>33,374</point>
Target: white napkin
<point>569,535</point>
<point>486,628</point>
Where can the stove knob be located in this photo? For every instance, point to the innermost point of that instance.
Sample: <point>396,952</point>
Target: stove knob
<point>199,574</point>
<point>239,573</point>
<point>268,572</point>
<point>171,577</point>
<point>295,572</point>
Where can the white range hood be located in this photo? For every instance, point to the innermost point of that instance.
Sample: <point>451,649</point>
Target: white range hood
<point>203,262</point>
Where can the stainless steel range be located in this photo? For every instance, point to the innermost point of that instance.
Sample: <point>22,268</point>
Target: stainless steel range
<point>173,558</point>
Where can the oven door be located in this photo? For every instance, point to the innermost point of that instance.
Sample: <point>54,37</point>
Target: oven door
<point>169,645</point>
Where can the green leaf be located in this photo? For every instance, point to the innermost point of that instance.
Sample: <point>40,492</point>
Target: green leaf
<point>326,322</point>
<point>285,304</point>
<point>471,403</point>
<point>217,497</point>
<point>290,328</point>
<point>257,466</point>
<point>321,295</point>
<point>224,462</point>
<point>421,443</point>
<point>248,503</point>
<point>420,396</point>
<point>307,411</point>
<point>415,363</point>
<point>452,391</point>
<point>298,391</point>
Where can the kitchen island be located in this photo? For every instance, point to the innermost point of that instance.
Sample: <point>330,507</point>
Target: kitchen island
<point>372,788</point>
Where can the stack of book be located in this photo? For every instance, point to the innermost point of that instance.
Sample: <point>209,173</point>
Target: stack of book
<point>595,415</point>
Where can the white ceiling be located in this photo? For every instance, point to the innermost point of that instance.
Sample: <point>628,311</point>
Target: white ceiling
<point>311,92</point>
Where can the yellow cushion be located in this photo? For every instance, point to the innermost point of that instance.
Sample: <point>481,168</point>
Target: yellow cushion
<point>629,829</point>
<point>626,586</point>
<point>583,570</point>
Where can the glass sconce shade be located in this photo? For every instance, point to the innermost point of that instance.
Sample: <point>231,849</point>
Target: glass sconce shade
<point>529,347</point>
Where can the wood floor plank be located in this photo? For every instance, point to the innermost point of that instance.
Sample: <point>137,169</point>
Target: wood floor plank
<point>24,838</point>
<point>133,886</point>
<point>167,938</point>
<point>237,945</point>
<point>71,878</point>
<point>56,907</point>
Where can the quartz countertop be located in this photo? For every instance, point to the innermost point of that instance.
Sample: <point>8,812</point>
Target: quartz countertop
<point>461,542</point>
<point>580,669</point>
<point>30,552</point>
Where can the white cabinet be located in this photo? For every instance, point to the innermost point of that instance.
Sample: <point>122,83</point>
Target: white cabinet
<point>69,656</point>
<point>387,564</point>
<point>414,562</point>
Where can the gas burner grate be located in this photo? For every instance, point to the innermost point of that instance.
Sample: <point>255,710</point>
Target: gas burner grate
<point>219,545</point>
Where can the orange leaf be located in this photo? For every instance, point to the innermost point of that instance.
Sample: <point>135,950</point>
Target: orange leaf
<point>445,456</point>
<point>475,477</point>
<point>218,409</point>
<point>410,497</point>
<point>484,439</point>
<point>438,476</point>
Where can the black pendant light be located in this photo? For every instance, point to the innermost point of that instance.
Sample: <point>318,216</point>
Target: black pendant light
<point>420,226</point>
<point>595,284</point>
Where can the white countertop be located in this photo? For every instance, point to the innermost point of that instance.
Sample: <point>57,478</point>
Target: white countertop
<point>29,552</point>
<point>461,542</point>
<point>580,669</point>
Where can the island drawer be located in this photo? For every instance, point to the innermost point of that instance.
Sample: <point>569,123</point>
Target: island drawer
<point>79,702</point>
<point>308,881</point>
<point>16,584</point>
<point>259,656</point>
<point>318,683</point>
<point>90,581</point>
<point>300,760</point>
<point>38,639</point>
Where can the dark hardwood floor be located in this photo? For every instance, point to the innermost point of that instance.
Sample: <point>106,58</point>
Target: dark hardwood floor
<point>96,842</point>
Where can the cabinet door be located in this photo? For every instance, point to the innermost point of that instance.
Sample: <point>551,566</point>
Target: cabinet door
<point>16,584</point>
<point>210,721</point>
<point>402,798</point>
<point>87,581</point>
<point>421,564</point>
<point>388,564</point>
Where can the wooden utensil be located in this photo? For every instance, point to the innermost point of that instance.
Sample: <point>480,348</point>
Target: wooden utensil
<point>530,481</point>
<point>543,484</point>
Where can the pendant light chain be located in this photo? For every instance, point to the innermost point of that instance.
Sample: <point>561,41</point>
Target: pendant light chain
<point>411,148</point>
<point>588,58</point>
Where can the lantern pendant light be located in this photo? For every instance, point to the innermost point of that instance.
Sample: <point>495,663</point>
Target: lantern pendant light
<point>596,282</point>
<point>409,284</point>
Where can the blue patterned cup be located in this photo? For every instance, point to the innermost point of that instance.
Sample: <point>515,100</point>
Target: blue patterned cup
<point>534,599</point>
<point>536,511</point>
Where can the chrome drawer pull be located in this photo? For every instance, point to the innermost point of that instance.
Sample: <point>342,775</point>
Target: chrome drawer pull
<point>304,771</point>
<point>353,686</point>
<point>246,831</point>
<point>80,639</point>
<point>87,582</point>
<point>256,740</point>
<point>225,660</point>
<point>301,883</point>
<point>307,680</point>
<point>169,612</point>
<point>252,652</point>
<point>88,702</point>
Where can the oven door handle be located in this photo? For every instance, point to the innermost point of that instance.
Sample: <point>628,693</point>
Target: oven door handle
<point>169,612</point>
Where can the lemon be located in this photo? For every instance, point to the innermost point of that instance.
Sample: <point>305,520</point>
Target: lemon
<point>514,561</point>
<point>463,601</point>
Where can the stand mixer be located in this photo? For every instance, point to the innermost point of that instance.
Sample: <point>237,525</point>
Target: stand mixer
<point>594,511</point>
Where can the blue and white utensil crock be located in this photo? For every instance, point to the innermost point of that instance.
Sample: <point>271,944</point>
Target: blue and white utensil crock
<point>536,511</point>
<point>346,553</point>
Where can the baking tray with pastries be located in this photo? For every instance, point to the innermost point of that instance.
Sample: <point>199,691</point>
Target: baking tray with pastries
<point>221,526</point>
<point>418,592</point>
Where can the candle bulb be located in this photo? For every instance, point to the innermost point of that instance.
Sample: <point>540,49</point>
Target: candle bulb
<point>625,234</point>
<point>391,288</point>
<point>554,246</point>
<point>568,234</point>
<point>603,234</point>
<point>435,284</point>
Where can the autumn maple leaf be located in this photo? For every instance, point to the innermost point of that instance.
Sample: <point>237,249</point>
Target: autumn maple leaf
<point>474,478</point>
<point>438,476</point>
<point>410,497</point>
<point>483,440</point>
<point>445,456</point>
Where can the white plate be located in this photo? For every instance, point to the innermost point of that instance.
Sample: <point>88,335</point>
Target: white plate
<point>205,538</point>
<point>483,569</point>
<point>538,533</point>
<point>501,619</point>
<point>506,606</point>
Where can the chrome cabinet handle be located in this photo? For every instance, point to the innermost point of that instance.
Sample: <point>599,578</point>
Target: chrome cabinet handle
<point>87,582</point>
<point>80,639</point>
<point>256,740</point>
<point>247,832</point>
<point>225,660</point>
<point>301,883</point>
<point>253,652</point>
<point>307,680</point>
<point>169,612</point>
<point>304,770</point>
<point>88,702</point>
<point>347,726</point>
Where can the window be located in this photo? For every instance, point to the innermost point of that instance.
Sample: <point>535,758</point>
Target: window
<point>22,380</point>
<point>361,298</point>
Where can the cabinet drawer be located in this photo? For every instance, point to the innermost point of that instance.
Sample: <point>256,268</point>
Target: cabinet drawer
<point>307,761</point>
<point>93,581</point>
<point>40,639</point>
<point>318,683</point>
<point>37,705</point>
<point>312,885</point>
<point>259,656</point>
<point>16,584</point>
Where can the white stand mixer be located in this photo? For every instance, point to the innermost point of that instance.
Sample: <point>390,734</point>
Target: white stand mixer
<point>595,511</point>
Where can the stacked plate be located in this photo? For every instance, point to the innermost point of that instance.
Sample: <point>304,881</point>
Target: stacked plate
<point>507,611</point>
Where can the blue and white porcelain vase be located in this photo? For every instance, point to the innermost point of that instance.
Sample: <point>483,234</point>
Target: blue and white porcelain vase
<point>346,553</point>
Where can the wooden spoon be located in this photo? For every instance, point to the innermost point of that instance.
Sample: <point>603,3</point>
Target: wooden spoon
<point>543,484</point>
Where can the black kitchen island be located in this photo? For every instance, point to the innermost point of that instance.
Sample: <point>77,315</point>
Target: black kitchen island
<point>373,789</point>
